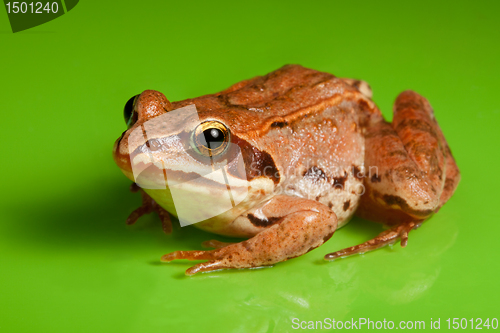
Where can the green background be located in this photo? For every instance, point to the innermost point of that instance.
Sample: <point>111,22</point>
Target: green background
<point>68,263</point>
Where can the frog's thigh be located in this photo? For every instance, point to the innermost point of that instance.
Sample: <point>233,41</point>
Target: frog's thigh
<point>408,164</point>
<point>452,173</point>
<point>299,225</point>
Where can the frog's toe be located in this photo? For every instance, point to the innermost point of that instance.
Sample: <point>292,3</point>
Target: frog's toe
<point>189,255</point>
<point>166,223</point>
<point>208,266</point>
<point>216,260</point>
<point>134,216</point>
<point>390,236</point>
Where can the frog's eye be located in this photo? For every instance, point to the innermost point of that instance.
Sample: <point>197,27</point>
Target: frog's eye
<point>128,111</point>
<point>210,138</point>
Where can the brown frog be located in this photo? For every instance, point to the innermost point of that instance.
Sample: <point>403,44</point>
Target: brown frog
<point>315,149</point>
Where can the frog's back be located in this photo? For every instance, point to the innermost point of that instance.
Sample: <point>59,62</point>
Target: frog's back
<point>256,105</point>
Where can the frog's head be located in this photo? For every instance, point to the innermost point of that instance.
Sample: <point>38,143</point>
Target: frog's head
<point>182,156</point>
<point>169,140</point>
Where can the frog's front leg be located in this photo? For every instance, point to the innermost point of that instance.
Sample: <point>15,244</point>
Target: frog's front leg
<point>148,206</point>
<point>410,172</point>
<point>291,226</point>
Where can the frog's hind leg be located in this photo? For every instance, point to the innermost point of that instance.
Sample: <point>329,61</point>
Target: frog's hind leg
<point>295,226</point>
<point>148,206</point>
<point>410,172</point>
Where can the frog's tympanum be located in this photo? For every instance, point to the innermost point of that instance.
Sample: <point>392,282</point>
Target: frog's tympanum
<point>316,150</point>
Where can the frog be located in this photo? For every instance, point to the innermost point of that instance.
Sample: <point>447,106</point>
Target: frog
<point>317,151</point>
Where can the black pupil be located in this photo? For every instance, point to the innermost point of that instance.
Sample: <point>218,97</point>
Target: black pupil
<point>129,109</point>
<point>214,137</point>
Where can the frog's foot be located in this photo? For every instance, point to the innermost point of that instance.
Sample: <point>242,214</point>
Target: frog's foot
<point>215,244</point>
<point>148,206</point>
<point>387,237</point>
<point>299,226</point>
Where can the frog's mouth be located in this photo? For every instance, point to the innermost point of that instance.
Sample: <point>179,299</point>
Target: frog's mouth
<point>175,167</point>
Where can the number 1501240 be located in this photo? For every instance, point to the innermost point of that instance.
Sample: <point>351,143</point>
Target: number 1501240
<point>32,7</point>
<point>472,323</point>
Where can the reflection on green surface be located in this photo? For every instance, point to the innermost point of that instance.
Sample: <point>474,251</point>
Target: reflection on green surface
<point>68,262</point>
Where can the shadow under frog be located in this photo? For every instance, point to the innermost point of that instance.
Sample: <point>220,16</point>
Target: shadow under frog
<point>94,220</point>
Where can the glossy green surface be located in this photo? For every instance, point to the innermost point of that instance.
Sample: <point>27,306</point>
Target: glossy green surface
<point>68,263</point>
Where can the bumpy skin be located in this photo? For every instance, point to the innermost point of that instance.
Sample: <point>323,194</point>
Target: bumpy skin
<point>316,150</point>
